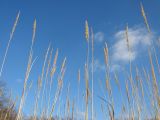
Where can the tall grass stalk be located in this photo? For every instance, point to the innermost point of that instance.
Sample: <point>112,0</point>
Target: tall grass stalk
<point>29,67</point>
<point>92,73</point>
<point>9,42</point>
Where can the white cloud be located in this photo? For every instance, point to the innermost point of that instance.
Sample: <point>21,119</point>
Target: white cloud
<point>80,114</point>
<point>19,80</point>
<point>98,66</point>
<point>115,67</point>
<point>99,37</point>
<point>139,39</point>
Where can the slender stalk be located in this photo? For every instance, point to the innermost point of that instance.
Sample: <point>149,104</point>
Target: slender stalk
<point>8,45</point>
<point>92,74</point>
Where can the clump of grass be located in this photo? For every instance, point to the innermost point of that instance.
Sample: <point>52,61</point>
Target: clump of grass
<point>39,84</point>
<point>29,67</point>
<point>59,88</point>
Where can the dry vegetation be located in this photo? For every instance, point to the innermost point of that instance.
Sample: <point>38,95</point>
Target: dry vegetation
<point>134,107</point>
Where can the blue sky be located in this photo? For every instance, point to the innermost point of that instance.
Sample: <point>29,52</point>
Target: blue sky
<point>61,23</point>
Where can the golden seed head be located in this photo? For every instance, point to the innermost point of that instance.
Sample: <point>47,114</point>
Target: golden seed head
<point>15,24</point>
<point>127,37</point>
<point>55,58</point>
<point>34,30</point>
<point>106,54</point>
<point>87,31</point>
<point>145,18</point>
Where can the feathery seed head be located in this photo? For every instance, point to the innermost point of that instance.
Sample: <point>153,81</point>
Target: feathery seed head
<point>34,30</point>
<point>87,31</point>
<point>127,37</point>
<point>145,18</point>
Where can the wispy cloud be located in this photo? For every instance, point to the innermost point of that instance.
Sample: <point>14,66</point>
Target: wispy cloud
<point>139,41</point>
<point>19,80</point>
<point>115,67</point>
<point>99,37</point>
<point>80,114</point>
<point>98,66</point>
